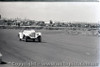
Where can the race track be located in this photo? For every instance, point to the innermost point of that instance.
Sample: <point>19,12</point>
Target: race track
<point>56,46</point>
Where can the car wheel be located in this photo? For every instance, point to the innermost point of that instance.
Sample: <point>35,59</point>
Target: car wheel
<point>39,39</point>
<point>33,40</point>
<point>20,39</point>
<point>26,39</point>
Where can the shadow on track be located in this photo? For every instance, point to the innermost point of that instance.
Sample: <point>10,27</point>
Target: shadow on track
<point>3,62</point>
<point>35,41</point>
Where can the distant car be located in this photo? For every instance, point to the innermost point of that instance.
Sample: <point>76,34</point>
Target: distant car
<point>0,57</point>
<point>27,35</point>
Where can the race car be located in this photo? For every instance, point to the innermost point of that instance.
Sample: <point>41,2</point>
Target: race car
<point>0,58</point>
<point>27,35</point>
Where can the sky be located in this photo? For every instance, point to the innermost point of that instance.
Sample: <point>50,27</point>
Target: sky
<point>56,11</point>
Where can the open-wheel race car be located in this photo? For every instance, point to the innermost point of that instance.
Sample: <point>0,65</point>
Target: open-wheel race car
<point>27,35</point>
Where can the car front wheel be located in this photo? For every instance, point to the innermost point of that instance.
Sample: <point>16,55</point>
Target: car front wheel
<point>20,39</point>
<point>39,39</point>
<point>25,38</point>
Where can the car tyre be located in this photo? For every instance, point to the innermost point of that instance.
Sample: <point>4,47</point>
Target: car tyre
<point>20,39</point>
<point>26,39</point>
<point>39,39</point>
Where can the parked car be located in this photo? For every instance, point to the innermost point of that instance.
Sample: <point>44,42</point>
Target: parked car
<point>27,35</point>
<point>0,57</point>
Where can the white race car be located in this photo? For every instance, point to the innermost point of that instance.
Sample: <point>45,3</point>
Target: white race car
<point>27,35</point>
<point>0,57</point>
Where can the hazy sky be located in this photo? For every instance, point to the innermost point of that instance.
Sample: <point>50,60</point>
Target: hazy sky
<point>56,11</point>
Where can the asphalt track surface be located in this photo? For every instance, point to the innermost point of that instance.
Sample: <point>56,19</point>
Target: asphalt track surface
<point>56,47</point>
